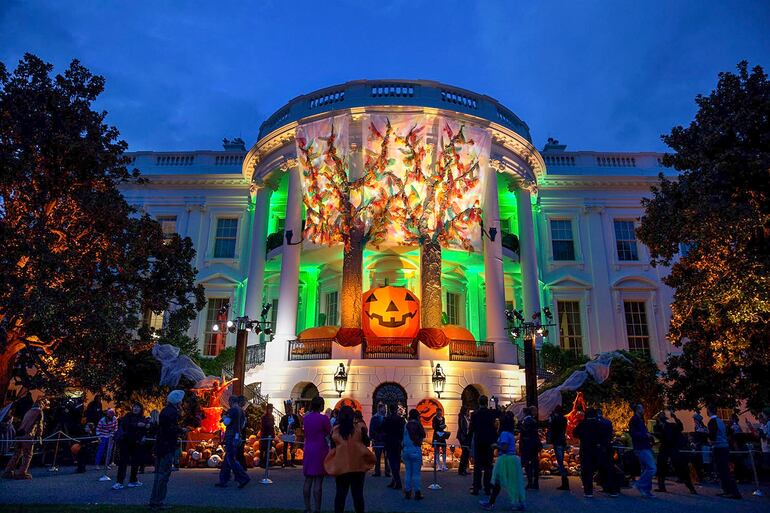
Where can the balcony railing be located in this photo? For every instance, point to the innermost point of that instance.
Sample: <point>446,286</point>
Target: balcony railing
<point>255,355</point>
<point>391,348</point>
<point>310,349</point>
<point>471,351</point>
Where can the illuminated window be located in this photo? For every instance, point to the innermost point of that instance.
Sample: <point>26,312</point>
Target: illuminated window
<point>224,244</point>
<point>213,341</point>
<point>625,240</point>
<point>168,226</point>
<point>155,321</point>
<point>636,326</point>
<point>570,329</point>
<point>332,302</point>
<point>562,244</point>
<point>453,308</point>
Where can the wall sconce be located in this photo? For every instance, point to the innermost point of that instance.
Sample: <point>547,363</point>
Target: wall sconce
<point>439,380</point>
<point>491,234</point>
<point>340,379</point>
<point>289,234</point>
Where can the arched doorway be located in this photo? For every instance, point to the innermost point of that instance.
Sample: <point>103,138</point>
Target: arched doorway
<point>302,394</point>
<point>470,397</point>
<point>388,393</point>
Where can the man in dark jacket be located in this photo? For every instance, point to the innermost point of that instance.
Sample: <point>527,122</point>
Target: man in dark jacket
<point>131,430</point>
<point>483,434</point>
<point>640,439</point>
<point>378,439</point>
<point>165,447</point>
<point>608,476</point>
<point>393,429</point>
<point>720,448</point>
<point>557,432</point>
<point>233,421</point>
<point>530,446</point>
<point>590,434</point>
<point>669,433</point>
<point>463,438</point>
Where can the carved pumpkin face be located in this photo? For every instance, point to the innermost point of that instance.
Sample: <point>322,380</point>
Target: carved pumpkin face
<point>390,312</point>
<point>428,409</point>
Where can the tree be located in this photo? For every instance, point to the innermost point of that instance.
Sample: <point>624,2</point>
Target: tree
<point>718,210</point>
<point>79,266</point>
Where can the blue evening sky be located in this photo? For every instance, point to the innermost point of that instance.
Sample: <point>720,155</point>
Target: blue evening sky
<point>182,75</point>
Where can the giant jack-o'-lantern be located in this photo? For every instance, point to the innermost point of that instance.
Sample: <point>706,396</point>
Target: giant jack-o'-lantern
<point>390,312</point>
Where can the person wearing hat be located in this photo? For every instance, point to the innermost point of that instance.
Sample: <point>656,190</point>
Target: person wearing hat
<point>288,425</point>
<point>165,446</point>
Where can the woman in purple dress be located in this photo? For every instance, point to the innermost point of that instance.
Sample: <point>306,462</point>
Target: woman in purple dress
<point>317,429</point>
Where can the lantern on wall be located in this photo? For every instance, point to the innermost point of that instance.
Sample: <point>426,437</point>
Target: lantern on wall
<point>390,312</point>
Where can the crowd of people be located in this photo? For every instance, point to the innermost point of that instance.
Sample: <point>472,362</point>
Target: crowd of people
<point>505,451</point>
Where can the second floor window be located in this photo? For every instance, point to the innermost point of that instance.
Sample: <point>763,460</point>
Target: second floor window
<point>332,301</point>
<point>636,326</point>
<point>453,308</point>
<point>570,330</point>
<point>625,240</point>
<point>168,226</point>
<point>225,238</point>
<point>562,244</point>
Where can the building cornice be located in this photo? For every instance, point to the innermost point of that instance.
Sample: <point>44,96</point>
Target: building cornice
<point>218,181</point>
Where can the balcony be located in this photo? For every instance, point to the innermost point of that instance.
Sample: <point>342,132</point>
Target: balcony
<point>310,349</point>
<point>471,351</point>
<point>390,349</point>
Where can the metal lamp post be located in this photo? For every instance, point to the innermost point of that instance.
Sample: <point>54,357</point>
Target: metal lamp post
<point>243,326</point>
<point>340,379</point>
<point>528,331</point>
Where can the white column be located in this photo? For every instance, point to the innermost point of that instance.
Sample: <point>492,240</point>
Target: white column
<point>528,255</point>
<point>286,318</point>
<point>256,277</point>
<point>493,275</point>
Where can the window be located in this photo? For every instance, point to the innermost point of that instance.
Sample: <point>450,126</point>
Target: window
<point>155,320</point>
<point>213,341</point>
<point>168,226</point>
<point>280,224</point>
<point>636,326</point>
<point>332,300</point>
<point>224,244</point>
<point>453,308</point>
<point>570,330</point>
<point>561,239</point>
<point>625,239</point>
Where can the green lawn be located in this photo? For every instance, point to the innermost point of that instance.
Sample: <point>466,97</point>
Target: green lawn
<point>112,508</point>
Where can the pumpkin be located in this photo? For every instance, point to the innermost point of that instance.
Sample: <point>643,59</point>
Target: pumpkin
<point>428,408</point>
<point>300,455</point>
<point>390,312</point>
<point>75,449</point>
<point>318,332</point>
<point>349,402</point>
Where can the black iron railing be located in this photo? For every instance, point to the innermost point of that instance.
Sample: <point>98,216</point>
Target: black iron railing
<point>542,372</point>
<point>471,351</point>
<point>390,348</point>
<point>311,349</point>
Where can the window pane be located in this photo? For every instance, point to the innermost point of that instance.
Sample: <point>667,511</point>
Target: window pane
<point>625,239</point>
<point>636,326</point>
<point>570,332</point>
<point>561,239</point>
<point>332,301</point>
<point>224,245</point>
<point>453,308</point>
<point>168,226</point>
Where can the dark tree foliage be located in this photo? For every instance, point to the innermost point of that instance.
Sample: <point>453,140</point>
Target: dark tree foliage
<point>718,208</point>
<point>78,265</point>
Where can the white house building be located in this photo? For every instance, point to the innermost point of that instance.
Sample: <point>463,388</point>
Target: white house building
<point>271,226</point>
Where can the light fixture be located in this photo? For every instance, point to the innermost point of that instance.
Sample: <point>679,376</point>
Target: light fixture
<point>515,333</point>
<point>540,331</point>
<point>439,379</point>
<point>340,379</point>
<point>289,236</point>
<point>547,313</point>
<point>491,234</point>
<point>230,324</point>
<point>215,327</point>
